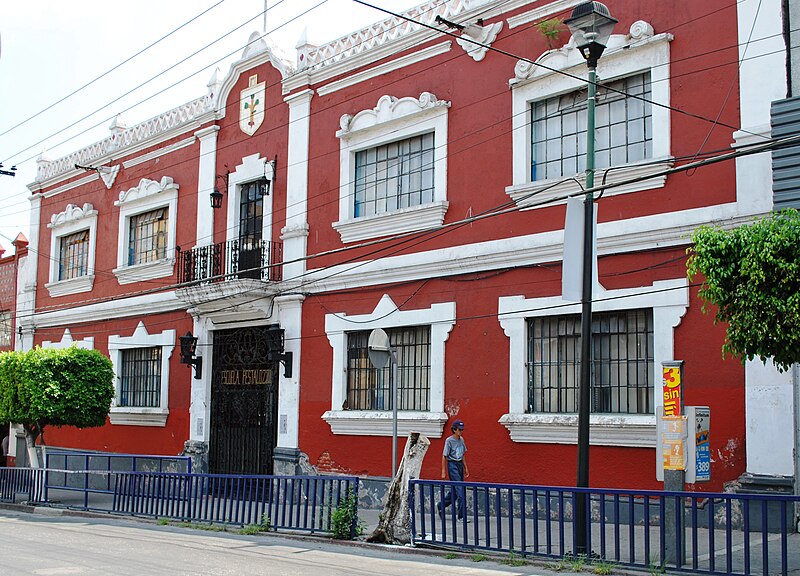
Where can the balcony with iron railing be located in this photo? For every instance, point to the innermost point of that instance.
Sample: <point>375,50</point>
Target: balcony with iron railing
<point>231,260</point>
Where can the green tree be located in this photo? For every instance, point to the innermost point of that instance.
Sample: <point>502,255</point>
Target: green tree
<point>46,387</point>
<point>751,274</point>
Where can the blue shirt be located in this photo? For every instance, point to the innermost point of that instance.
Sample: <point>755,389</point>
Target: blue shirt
<point>454,448</point>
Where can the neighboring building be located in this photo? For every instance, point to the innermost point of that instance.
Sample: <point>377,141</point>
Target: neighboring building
<point>345,179</point>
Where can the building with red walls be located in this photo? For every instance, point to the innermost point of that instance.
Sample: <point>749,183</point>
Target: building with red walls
<point>413,177</point>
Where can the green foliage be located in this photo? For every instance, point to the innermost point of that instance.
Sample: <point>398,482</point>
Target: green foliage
<point>514,560</point>
<point>163,522</point>
<point>345,516</point>
<point>602,567</point>
<point>751,274</point>
<point>657,569</point>
<point>478,557</point>
<point>70,387</point>
<point>450,556</point>
<point>550,29</point>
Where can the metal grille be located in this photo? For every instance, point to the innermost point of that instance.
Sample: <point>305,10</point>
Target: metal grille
<point>394,176</point>
<point>623,129</point>
<point>141,377</point>
<point>370,389</point>
<point>622,367</point>
<point>148,236</point>
<point>73,258</point>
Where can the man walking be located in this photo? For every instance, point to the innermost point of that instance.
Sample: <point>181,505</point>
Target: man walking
<point>454,466</point>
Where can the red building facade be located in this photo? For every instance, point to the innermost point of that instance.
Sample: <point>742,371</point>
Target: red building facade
<point>414,180</point>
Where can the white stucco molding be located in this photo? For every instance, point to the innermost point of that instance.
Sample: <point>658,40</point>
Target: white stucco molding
<point>669,300</point>
<point>67,341</point>
<point>388,110</point>
<point>441,319</point>
<point>476,40</point>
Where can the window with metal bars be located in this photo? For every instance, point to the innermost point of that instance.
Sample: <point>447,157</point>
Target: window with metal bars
<point>393,176</point>
<point>622,363</point>
<point>623,128</point>
<point>141,378</point>
<point>73,258</point>
<point>370,389</point>
<point>251,212</point>
<point>147,240</point>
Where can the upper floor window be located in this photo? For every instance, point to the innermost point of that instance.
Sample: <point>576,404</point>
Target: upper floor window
<point>370,389</point>
<point>147,240</point>
<point>622,363</point>
<point>395,175</point>
<point>393,167</point>
<point>140,378</point>
<point>251,211</point>
<point>147,228</point>
<point>633,125</point>
<point>73,238</point>
<point>623,128</point>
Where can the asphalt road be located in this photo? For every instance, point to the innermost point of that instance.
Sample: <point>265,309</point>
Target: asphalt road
<point>67,545</point>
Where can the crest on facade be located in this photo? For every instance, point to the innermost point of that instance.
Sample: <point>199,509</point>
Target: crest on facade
<point>251,106</point>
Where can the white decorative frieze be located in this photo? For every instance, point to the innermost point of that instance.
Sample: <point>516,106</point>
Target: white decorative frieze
<point>476,39</point>
<point>146,188</point>
<point>389,109</point>
<point>71,213</point>
<point>568,55</point>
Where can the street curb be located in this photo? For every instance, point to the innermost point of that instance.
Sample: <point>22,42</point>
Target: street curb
<point>543,566</point>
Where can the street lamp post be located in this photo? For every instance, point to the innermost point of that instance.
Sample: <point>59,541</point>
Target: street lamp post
<point>590,25</point>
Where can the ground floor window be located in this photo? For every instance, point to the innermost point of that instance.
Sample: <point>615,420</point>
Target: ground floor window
<point>141,377</point>
<point>622,363</point>
<point>370,389</point>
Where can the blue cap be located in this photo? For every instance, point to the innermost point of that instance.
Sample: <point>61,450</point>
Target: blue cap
<point>457,424</point>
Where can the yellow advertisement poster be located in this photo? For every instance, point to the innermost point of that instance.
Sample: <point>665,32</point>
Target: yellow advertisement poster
<point>673,444</point>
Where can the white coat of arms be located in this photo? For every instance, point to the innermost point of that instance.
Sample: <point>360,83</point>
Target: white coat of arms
<point>251,106</point>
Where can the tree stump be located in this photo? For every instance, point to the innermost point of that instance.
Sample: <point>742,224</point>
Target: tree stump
<point>394,526</point>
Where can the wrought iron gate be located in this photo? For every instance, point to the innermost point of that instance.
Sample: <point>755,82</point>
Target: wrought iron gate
<point>244,403</point>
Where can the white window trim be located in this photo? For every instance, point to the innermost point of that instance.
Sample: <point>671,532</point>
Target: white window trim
<point>141,416</point>
<point>67,341</point>
<point>441,319</point>
<point>669,300</point>
<point>252,169</point>
<point>73,219</point>
<point>149,195</point>
<point>391,120</point>
<point>639,51</point>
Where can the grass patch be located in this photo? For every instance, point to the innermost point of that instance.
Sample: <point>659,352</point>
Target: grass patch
<point>602,567</point>
<point>163,522</point>
<point>450,556</point>
<point>478,557</point>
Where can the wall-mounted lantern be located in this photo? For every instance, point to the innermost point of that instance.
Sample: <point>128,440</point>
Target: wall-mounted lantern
<point>275,350</point>
<point>188,348</point>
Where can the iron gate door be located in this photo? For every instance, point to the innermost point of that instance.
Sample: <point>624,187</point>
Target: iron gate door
<point>244,403</point>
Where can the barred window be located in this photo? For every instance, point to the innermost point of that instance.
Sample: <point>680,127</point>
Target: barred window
<point>5,329</point>
<point>395,175</point>
<point>141,377</point>
<point>370,389</point>
<point>251,212</point>
<point>622,367</point>
<point>623,128</point>
<point>148,236</point>
<point>73,258</point>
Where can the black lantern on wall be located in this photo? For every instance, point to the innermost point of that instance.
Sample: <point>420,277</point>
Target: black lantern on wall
<point>188,348</point>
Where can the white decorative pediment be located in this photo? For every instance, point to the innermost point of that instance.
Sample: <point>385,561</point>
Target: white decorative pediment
<point>67,341</point>
<point>389,109</point>
<point>567,56</point>
<point>146,188</point>
<point>476,40</point>
<point>108,174</point>
<point>72,213</point>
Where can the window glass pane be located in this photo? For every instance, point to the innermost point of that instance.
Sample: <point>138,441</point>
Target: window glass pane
<point>73,260</point>
<point>370,389</point>
<point>623,128</point>
<point>147,241</point>
<point>622,363</point>
<point>394,175</point>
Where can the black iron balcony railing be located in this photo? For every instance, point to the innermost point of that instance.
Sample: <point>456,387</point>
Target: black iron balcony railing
<point>231,260</point>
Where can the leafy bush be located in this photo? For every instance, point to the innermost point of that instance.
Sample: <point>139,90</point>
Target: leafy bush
<point>345,517</point>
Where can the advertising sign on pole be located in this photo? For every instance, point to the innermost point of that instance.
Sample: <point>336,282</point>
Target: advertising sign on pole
<point>671,376</point>
<point>702,444</point>
<point>673,437</point>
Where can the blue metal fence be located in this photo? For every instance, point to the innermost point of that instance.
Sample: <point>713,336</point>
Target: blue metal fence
<point>305,503</point>
<point>717,533</point>
<point>27,482</point>
<point>85,480</point>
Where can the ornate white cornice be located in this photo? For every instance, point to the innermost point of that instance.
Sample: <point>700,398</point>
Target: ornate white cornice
<point>476,40</point>
<point>144,189</point>
<point>389,109</point>
<point>568,56</point>
<point>72,213</point>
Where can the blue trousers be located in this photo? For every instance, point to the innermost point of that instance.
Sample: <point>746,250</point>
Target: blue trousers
<point>456,496</point>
